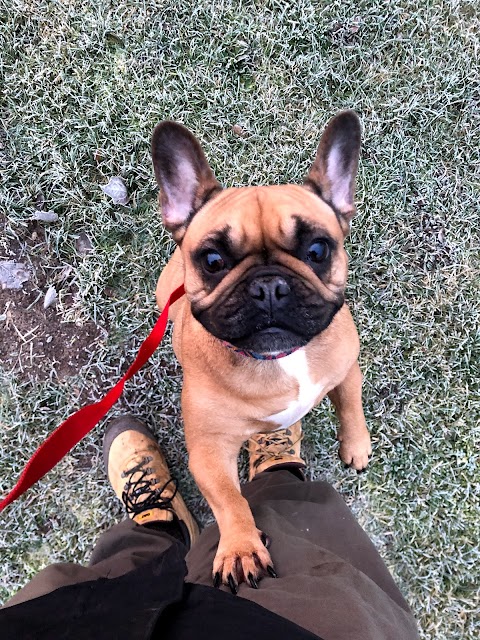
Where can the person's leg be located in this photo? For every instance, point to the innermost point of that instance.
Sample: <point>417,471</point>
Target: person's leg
<point>322,517</point>
<point>128,545</point>
<point>159,518</point>
<point>122,548</point>
<point>330,575</point>
<point>318,514</point>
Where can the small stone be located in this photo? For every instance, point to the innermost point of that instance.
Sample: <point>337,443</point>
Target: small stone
<point>49,339</point>
<point>50,297</point>
<point>117,190</point>
<point>238,130</point>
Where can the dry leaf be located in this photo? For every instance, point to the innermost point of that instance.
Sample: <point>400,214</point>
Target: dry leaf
<point>13,274</point>
<point>83,244</point>
<point>117,190</point>
<point>45,216</point>
<point>40,200</point>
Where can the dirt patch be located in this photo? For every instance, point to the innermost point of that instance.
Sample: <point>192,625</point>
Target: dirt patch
<point>35,343</point>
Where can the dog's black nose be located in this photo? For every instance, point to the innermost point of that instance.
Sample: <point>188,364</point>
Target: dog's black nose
<point>269,291</point>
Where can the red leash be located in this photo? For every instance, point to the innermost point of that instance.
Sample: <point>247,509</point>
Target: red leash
<point>76,426</point>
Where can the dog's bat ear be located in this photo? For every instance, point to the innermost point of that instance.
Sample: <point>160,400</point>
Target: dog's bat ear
<point>185,179</point>
<point>332,175</point>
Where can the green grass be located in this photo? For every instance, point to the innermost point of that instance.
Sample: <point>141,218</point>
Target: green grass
<point>85,76</point>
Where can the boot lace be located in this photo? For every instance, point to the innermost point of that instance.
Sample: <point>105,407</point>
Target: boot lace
<point>141,493</point>
<point>273,445</point>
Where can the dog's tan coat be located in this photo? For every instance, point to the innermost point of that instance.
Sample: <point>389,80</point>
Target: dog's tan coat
<point>227,397</point>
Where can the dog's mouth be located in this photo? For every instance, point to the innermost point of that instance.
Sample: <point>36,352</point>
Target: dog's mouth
<point>270,340</point>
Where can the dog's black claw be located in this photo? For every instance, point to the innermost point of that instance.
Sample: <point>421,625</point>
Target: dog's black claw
<point>252,581</point>
<point>232,584</point>
<point>217,578</point>
<point>271,571</point>
<point>346,466</point>
<point>361,471</point>
<point>265,539</point>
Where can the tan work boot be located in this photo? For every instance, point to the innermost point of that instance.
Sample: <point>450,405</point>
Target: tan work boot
<point>140,477</point>
<point>275,448</point>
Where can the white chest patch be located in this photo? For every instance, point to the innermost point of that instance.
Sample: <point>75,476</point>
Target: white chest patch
<point>296,366</point>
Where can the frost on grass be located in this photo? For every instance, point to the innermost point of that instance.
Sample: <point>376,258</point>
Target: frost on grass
<point>410,69</point>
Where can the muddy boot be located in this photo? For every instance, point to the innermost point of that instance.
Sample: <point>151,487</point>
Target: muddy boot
<point>141,479</point>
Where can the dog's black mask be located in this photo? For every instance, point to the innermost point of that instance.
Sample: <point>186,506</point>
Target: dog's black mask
<point>269,313</point>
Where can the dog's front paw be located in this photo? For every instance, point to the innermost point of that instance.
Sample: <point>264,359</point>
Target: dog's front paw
<point>355,451</point>
<point>242,558</point>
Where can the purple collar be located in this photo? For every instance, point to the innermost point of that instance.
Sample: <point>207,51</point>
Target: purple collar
<point>259,356</point>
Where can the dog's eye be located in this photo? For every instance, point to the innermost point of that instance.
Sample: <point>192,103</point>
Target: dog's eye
<point>213,262</point>
<point>318,251</point>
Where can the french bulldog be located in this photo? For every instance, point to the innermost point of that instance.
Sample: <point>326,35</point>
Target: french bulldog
<point>264,270</point>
